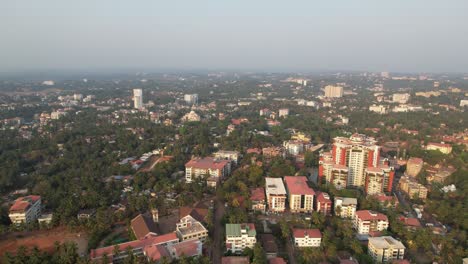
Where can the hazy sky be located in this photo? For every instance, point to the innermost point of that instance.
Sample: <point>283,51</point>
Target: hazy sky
<point>378,35</point>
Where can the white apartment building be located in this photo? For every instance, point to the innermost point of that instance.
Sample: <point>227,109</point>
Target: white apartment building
<point>307,237</point>
<point>347,207</point>
<point>275,194</point>
<point>188,228</point>
<point>367,221</point>
<point>228,155</point>
<point>385,249</point>
<point>214,168</point>
<point>25,209</point>
<point>333,91</point>
<point>240,236</point>
<point>378,109</point>
<point>138,98</point>
<point>191,99</point>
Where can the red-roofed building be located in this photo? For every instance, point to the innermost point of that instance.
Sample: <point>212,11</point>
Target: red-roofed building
<point>25,209</point>
<point>307,237</point>
<point>254,151</point>
<point>257,197</point>
<point>214,168</point>
<point>323,203</point>
<point>300,195</point>
<point>189,248</point>
<point>138,248</point>
<point>410,223</point>
<point>367,221</point>
<point>235,260</point>
<point>387,200</point>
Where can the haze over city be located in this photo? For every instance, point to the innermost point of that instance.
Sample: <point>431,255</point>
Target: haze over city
<point>400,35</point>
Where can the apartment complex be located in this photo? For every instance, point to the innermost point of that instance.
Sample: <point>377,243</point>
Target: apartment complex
<point>345,207</point>
<point>412,188</point>
<point>300,195</point>
<point>138,98</point>
<point>307,237</point>
<point>323,203</point>
<point>333,91</point>
<point>275,194</point>
<point>240,236</point>
<point>355,162</point>
<point>25,209</point>
<point>214,168</point>
<point>366,221</point>
<point>233,156</point>
<point>191,99</point>
<point>385,249</point>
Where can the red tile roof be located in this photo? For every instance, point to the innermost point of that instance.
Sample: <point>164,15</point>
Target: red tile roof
<point>142,226</point>
<point>257,194</point>
<point>367,215</point>
<point>187,248</point>
<point>415,160</point>
<point>148,241</point>
<point>197,213</point>
<point>207,163</point>
<point>156,252</point>
<point>235,260</point>
<point>414,222</point>
<point>298,185</point>
<point>323,197</point>
<point>301,233</point>
<point>23,203</point>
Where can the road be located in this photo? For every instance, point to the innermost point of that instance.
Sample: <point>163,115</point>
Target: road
<point>218,231</point>
<point>290,249</point>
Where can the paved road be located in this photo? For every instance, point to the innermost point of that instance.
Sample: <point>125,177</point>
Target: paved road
<point>218,231</point>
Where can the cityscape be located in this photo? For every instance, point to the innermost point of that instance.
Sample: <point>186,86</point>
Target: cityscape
<point>233,164</point>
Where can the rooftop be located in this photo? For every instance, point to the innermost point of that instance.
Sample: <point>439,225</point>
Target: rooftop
<point>235,260</point>
<point>275,186</point>
<point>323,197</point>
<point>143,225</point>
<point>301,233</point>
<point>367,215</point>
<point>237,229</point>
<point>385,242</point>
<point>257,194</point>
<point>298,185</point>
<point>195,227</point>
<point>207,163</point>
<point>346,201</point>
<point>23,203</point>
<point>188,248</point>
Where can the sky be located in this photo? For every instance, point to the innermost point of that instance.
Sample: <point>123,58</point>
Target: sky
<point>264,35</point>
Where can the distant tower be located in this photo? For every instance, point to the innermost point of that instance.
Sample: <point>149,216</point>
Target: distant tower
<point>155,215</point>
<point>138,98</point>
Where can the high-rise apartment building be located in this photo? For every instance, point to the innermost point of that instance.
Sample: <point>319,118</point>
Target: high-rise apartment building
<point>191,99</point>
<point>275,194</point>
<point>300,195</point>
<point>385,249</point>
<point>138,98</point>
<point>333,91</point>
<point>355,162</point>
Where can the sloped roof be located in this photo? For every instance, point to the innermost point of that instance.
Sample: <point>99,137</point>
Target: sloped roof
<point>143,225</point>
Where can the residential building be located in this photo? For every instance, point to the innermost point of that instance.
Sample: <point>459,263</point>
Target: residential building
<point>283,112</point>
<point>294,147</point>
<point>349,159</point>
<point>379,179</point>
<point>345,207</point>
<point>380,109</point>
<point>414,166</point>
<point>190,248</point>
<point>191,117</point>
<point>385,249</point>
<point>272,152</point>
<point>412,188</point>
<point>323,203</point>
<point>45,218</point>
<point>366,222</point>
<point>138,98</point>
<point>307,237</point>
<point>333,91</point>
<point>191,99</point>
<point>257,197</point>
<point>240,236</point>
<point>401,98</point>
<point>25,209</point>
<point>211,167</point>
<point>442,147</point>
<point>233,156</point>
<point>300,195</point>
<point>190,225</point>
<point>143,226</point>
<point>275,194</point>
<point>269,245</point>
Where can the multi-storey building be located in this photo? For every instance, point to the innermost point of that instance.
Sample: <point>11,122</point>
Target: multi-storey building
<point>385,249</point>
<point>189,228</point>
<point>323,203</point>
<point>211,167</point>
<point>25,209</point>
<point>333,91</point>
<point>283,112</point>
<point>257,197</point>
<point>414,166</point>
<point>294,147</point>
<point>138,98</point>
<point>366,222</point>
<point>307,237</point>
<point>275,194</point>
<point>412,188</point>
<point>379,179</point>
<point>191,99</point>
<point>300,195</point>
<point>442,147</point>
<point>240,236</point>
<point>233,156</point>
<point>349,163</point>
<point>345,207</point>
